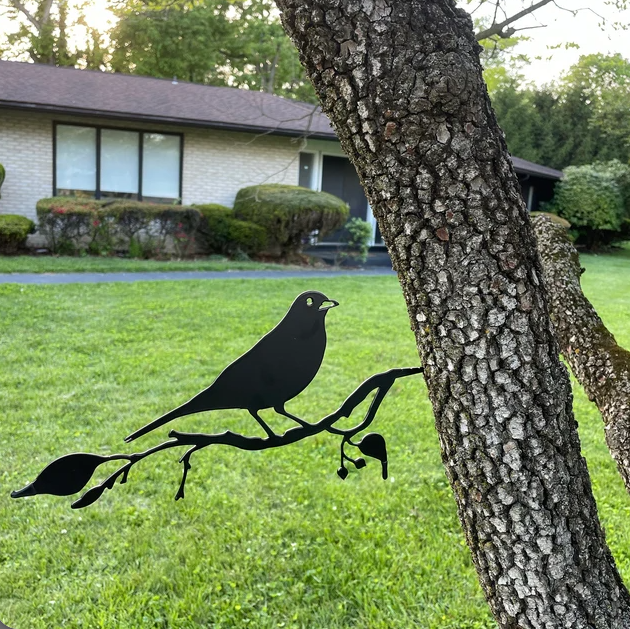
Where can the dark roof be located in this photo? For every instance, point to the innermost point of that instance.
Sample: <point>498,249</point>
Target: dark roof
<point>39,87</point>
<point>83,92</point>
<point>530,168</point>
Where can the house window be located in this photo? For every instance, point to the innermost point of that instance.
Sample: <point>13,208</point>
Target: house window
<point>76,160</point>
<point>117,163</point>
<point>120,164</point>
<point>307,171</point>
<point>160,167</point>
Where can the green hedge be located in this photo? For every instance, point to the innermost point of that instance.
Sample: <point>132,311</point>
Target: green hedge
<point>73,225</point>
<point>290,214</point>
<point>595,199</point>
<point>14,230</point>
<point>220,232</point>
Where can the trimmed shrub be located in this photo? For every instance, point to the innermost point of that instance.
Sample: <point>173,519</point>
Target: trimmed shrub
<point>73,225</point>
<point>14,230</point>
<point>220,232</point>
<point>149,226</point>
<point>594,199</point>
<point>67,223</point>
<point>290,214</point>
<point>356,237</point>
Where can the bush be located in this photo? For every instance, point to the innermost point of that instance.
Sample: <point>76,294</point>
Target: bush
<point>290,214</point>
<point>67,223</point>
<point>595,199</point>
<point>220,232</point>
<point>3,174</point>
<point>356,237</point>
<point>13,232</point>
<point>146,227</point>
<point>73,225</point>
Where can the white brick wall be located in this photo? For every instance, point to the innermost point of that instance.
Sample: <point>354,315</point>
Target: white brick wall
<point>26,154</point>
<point>216,163</point>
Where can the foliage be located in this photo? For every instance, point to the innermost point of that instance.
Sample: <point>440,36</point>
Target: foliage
<point>53,32</point>
<point>217,42</point>
<point>355,238</point>
<point>290,213</point>
<point>221,232</point>
<point>260,538</point>
<point>591,198</point>
<point>68,224</point>
<point>579,120</point>
<point>3,174</point>
<point>73,225</point>
<point>14,230</point>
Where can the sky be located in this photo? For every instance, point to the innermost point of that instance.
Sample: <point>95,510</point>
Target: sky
<point>562,27</point>
<point>546,63</point>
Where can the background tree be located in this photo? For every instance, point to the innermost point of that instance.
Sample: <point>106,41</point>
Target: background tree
<point>54,32</point>
<point>171,39</point>
<point>402,84</point>
<point>578,120</point>
<point>42,32</point>
<point>217,42</point>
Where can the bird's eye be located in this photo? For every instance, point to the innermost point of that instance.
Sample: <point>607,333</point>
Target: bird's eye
<point>309,301</point>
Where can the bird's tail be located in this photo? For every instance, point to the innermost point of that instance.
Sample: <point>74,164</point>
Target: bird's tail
<point>188,408</point>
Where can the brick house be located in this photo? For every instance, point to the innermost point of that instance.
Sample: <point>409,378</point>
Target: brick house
<point>76,132</point>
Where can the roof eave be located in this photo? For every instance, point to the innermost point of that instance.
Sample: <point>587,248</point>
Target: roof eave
<point>534,173</point>
<point>182,122</point>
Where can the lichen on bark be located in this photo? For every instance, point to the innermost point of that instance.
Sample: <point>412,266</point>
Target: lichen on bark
<point>401,82</point>
<point>600,365</point>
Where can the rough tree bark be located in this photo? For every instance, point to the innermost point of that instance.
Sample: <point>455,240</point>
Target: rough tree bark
<point>401,82</point>
<point>598,363</point>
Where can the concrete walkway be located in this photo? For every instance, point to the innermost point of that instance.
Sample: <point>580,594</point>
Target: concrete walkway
<point>94,278</point>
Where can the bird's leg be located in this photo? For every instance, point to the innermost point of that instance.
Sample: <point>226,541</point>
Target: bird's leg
<point>262,423</point>
<point>281,411</point>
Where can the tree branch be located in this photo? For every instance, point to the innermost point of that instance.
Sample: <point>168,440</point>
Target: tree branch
<point>71,473</point>
<point>598,363</point>
<point>497,28</point>
<point>46,12</point>
<point>29,16</point>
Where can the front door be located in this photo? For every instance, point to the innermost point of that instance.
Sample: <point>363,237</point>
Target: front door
<point>340,178</point>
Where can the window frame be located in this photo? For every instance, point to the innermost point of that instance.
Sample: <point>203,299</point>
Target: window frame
<point>140,132</point>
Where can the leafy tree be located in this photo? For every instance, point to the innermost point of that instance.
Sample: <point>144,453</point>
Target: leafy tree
<point>581,119</point>
<point>42,30</point>
<point>217,42</point>
<point>590,198</point>
<point>602,84</point>
<point>181,39</point>
<point>45,31</point>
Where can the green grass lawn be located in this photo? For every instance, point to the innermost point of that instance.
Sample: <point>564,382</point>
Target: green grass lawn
<point>267,539</point>
<point>96,264</point>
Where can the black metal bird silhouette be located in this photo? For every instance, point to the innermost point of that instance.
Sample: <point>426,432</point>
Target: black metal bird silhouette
<point>279,367</point>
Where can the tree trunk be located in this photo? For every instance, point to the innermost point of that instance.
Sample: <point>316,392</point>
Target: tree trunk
<point>401,82</point>
<point>599,364</point>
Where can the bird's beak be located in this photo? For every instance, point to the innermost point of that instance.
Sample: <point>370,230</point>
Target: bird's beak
<point>332,303</point>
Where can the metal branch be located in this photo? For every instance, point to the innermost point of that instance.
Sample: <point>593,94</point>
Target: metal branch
<point>86,464</point>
